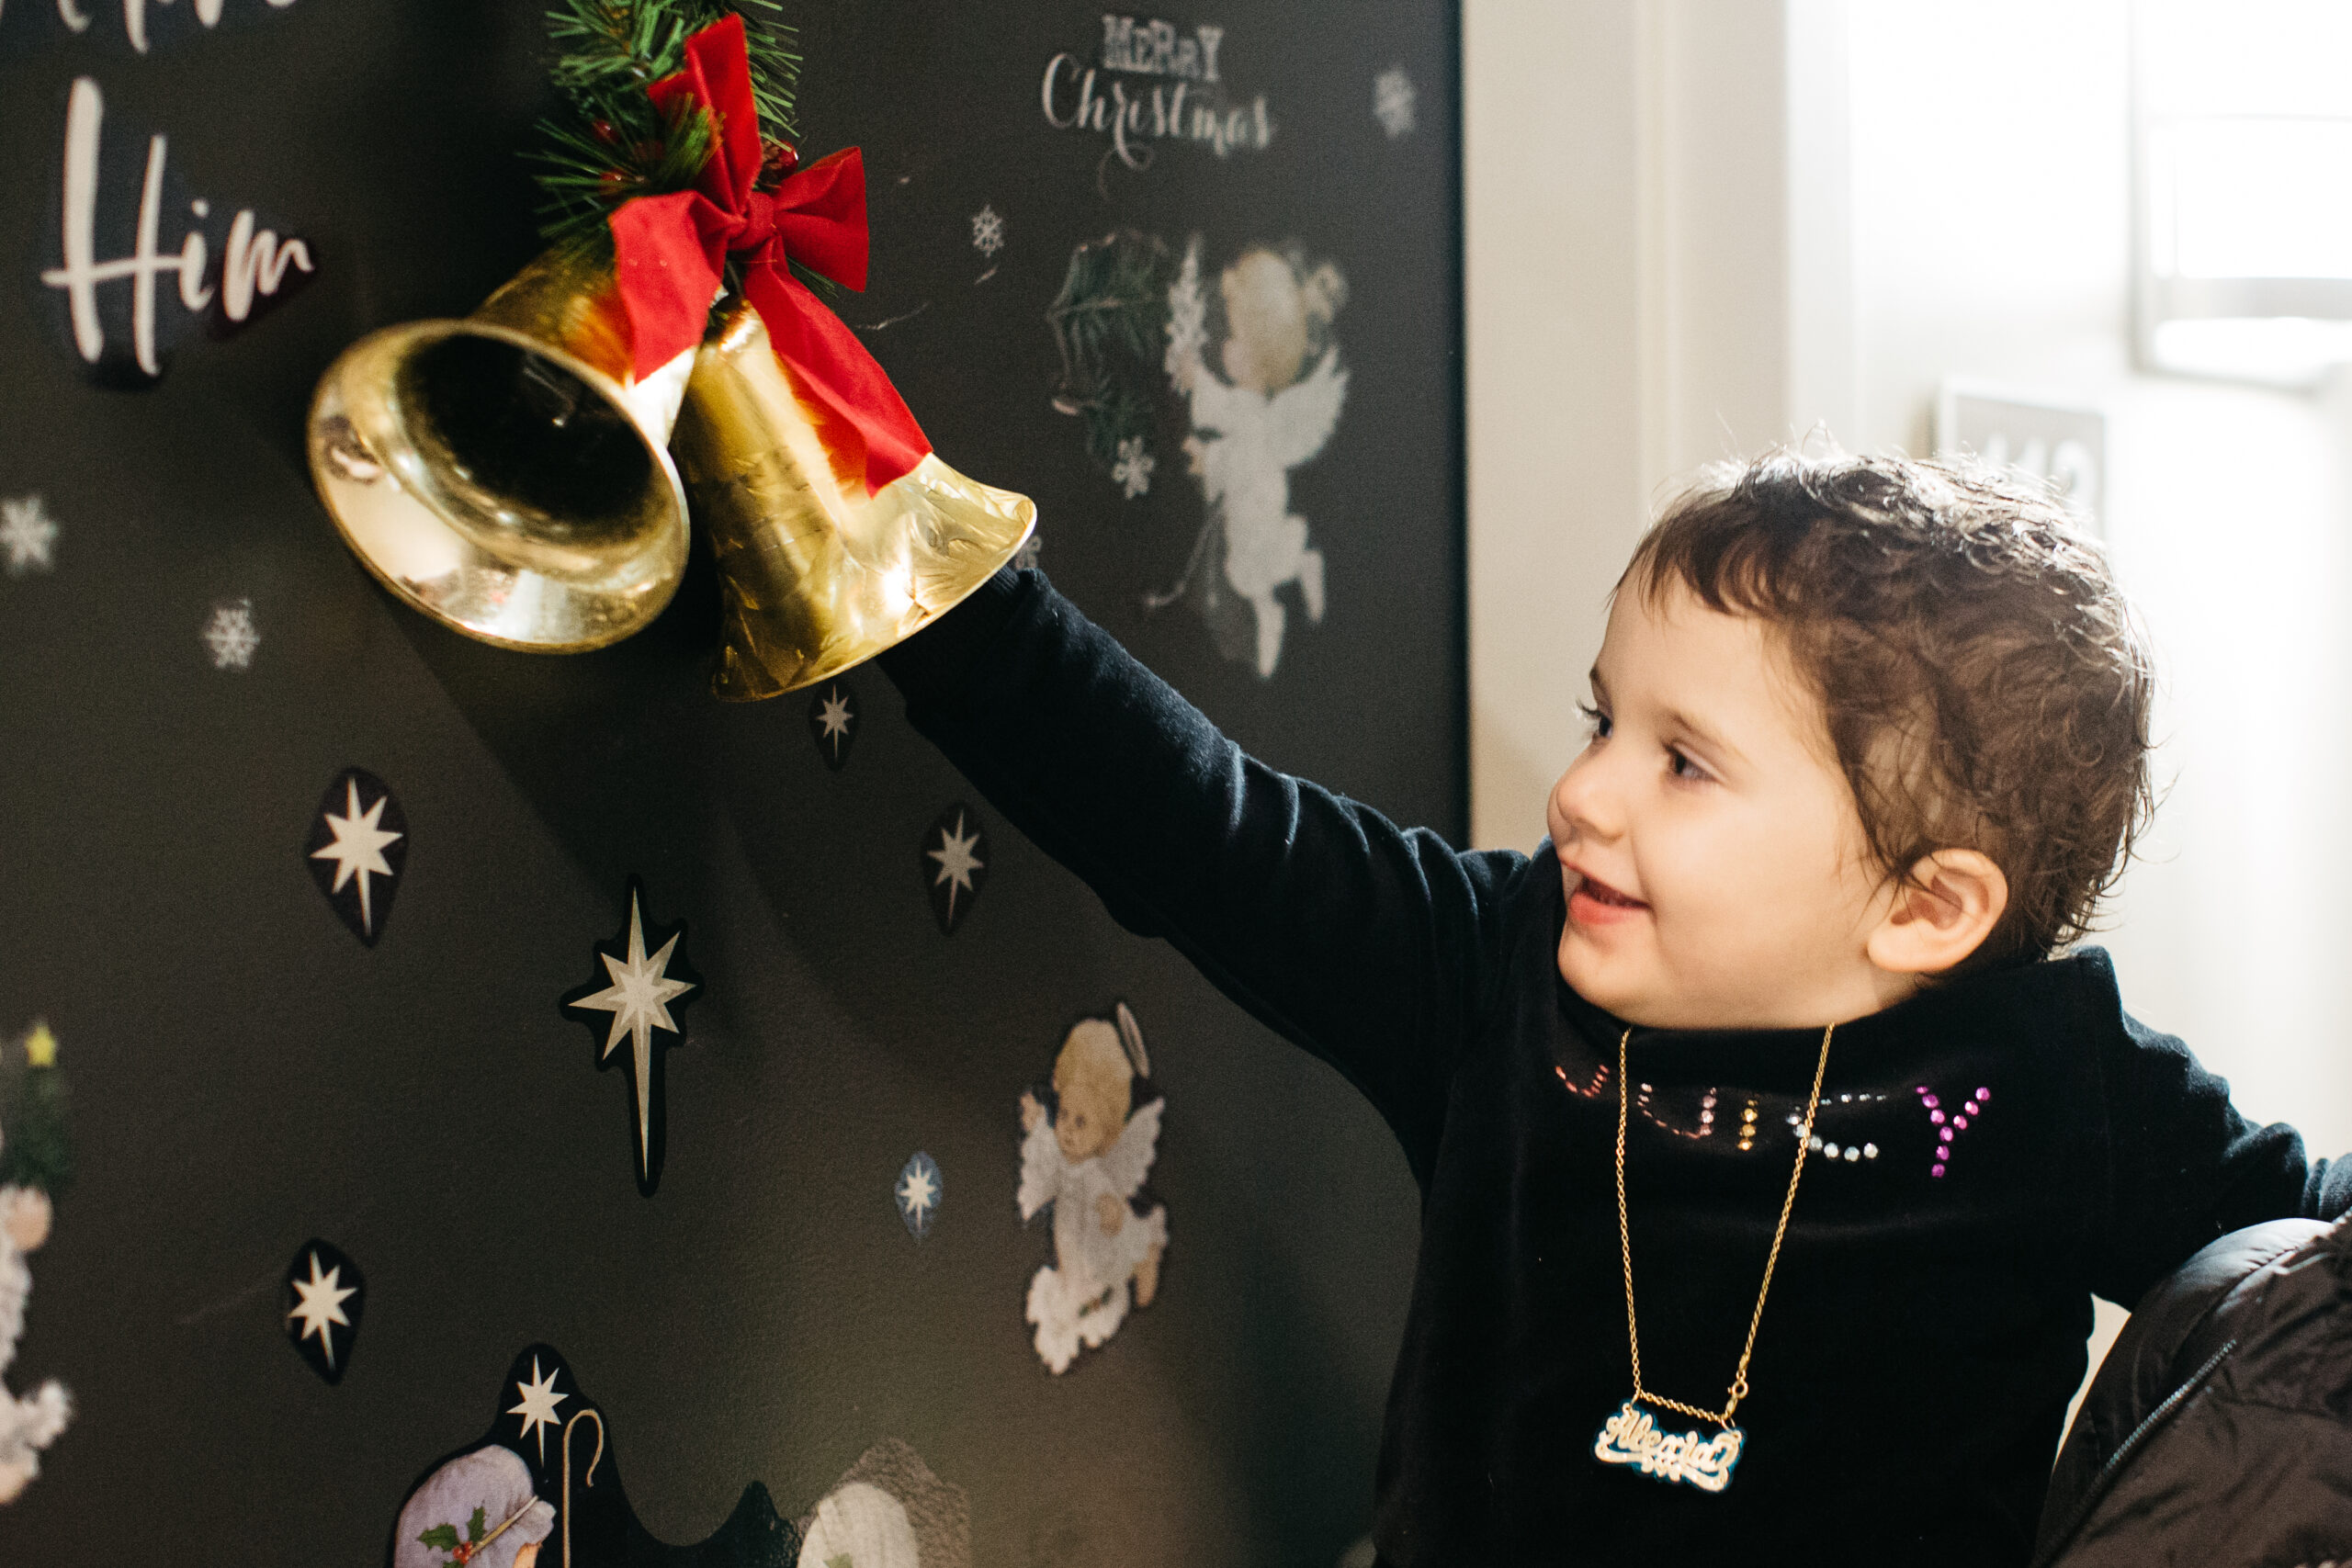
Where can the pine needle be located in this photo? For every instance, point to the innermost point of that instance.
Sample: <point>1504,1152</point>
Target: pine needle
<point>1110,320</point>
<point>607,144</point>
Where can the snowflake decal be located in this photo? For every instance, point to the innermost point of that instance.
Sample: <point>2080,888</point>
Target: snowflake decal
<point>232,635</point>
<point>1132,472</point>
<point>1392,101</point>
<point>27,533</point>
<point>987,231</point>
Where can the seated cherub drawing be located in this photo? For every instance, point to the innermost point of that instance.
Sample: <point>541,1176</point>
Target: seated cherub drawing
<point>1085,1158</point>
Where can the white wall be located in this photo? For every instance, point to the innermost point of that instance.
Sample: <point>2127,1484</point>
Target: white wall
<point>1627,320</point>
<point>1551,147</point>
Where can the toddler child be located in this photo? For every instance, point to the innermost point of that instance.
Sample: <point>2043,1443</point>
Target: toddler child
<point>1772,1140</point>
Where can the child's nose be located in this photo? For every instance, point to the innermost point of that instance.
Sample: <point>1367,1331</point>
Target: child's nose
<point>1584,804</point>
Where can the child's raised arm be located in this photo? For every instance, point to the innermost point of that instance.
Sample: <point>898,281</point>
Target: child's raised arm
<point>1372,946</point>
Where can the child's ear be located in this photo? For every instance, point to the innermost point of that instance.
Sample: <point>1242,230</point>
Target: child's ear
<point>1940,913</point>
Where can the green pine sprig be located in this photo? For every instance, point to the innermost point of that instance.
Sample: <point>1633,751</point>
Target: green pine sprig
<point>607,144</point>
<point>1110,320</point>
<point>39,1150</point>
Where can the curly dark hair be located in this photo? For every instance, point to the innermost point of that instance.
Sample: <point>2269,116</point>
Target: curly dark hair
<point>1984,684</point>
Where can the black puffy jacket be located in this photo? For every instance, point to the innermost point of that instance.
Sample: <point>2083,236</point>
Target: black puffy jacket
<point>2219,1430</point>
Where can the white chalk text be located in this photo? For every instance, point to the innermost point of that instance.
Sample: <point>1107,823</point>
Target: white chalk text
<point>254,263</point>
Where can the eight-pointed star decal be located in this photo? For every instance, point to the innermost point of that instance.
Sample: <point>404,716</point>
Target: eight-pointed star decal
<point>358,844</point>
<point>833,722</point>
<point>645,979</point>
<point>918,1194</point>
<point>539,1400</point>
<point>324,1299</point>
<point>955,862</point>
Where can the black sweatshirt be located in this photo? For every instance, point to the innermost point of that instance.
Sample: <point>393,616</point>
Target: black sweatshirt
<point>1992,1151</point>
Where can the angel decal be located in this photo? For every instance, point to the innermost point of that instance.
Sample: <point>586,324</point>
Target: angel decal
<point>1275,407</point>
<point>1085,1158</point>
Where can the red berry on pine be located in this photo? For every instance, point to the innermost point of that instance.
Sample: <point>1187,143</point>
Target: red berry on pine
<point>778,158</point>
<point>603,132</point>
<point>611,176</point>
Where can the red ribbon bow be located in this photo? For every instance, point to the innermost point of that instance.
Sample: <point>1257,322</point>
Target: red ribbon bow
<point>669,252</point>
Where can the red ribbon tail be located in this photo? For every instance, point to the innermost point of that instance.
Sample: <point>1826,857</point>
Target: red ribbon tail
<point>831,365</point>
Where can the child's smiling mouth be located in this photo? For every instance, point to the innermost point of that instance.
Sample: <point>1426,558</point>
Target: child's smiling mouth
<point>1592,902</point>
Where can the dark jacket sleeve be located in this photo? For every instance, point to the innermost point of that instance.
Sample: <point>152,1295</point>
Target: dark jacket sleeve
<point>2185,1167</point>
<point>1372,946</point>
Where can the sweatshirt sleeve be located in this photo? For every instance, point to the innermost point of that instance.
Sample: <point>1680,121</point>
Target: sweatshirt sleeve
<point>2186,1168</point>
<point>1372,946</point>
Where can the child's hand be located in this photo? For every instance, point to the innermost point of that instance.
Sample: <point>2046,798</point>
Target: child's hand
<point>1031,1112</point>
<point>1112,1212</point>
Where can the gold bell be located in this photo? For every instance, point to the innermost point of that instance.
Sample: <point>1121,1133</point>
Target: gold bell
<point>815,574</point>
<point>507,474</point>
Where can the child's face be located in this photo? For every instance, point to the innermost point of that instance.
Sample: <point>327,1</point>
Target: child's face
<point>1717,872</point>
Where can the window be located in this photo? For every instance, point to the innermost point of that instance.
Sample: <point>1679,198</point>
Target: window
<point>2242,144</point>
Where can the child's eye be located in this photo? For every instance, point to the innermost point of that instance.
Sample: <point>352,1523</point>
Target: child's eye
<point>1594,720</point>
<point>1680,764</point>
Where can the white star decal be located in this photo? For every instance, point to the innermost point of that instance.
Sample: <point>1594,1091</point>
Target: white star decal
<point>834,718</point>
<point>956,861</point>
<point>639,999</point>
<point>27,533</point>
<point>358,848</point>
<point>917,1193</point>
<point>537,1409</point>
<point>321,1304</point>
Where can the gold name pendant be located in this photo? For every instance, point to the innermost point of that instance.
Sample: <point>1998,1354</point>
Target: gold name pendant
<point>1632,1436</point>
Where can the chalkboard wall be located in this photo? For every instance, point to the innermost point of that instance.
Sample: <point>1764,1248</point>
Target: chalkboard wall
<point>191,663</point>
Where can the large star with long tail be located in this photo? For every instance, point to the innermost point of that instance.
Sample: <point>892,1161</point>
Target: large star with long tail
<point>637,997</point>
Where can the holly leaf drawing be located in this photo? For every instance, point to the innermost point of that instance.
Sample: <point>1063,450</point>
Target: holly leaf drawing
<point>474,1528</point>
<point>441,1537</point>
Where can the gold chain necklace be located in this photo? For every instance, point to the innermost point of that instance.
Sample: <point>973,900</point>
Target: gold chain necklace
<point>1632,1435</point>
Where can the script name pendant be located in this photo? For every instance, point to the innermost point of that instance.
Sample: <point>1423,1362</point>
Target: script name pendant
<point>1632,1436</point>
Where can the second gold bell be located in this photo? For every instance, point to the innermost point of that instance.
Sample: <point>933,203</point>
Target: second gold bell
<point>818,575</point>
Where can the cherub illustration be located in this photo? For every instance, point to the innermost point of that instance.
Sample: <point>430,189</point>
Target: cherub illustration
<point>36,1167</point>
<point>1086,1160</point>
<point>1269,413</point>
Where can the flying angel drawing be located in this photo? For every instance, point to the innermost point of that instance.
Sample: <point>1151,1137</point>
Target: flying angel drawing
<point>1274,409</point>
